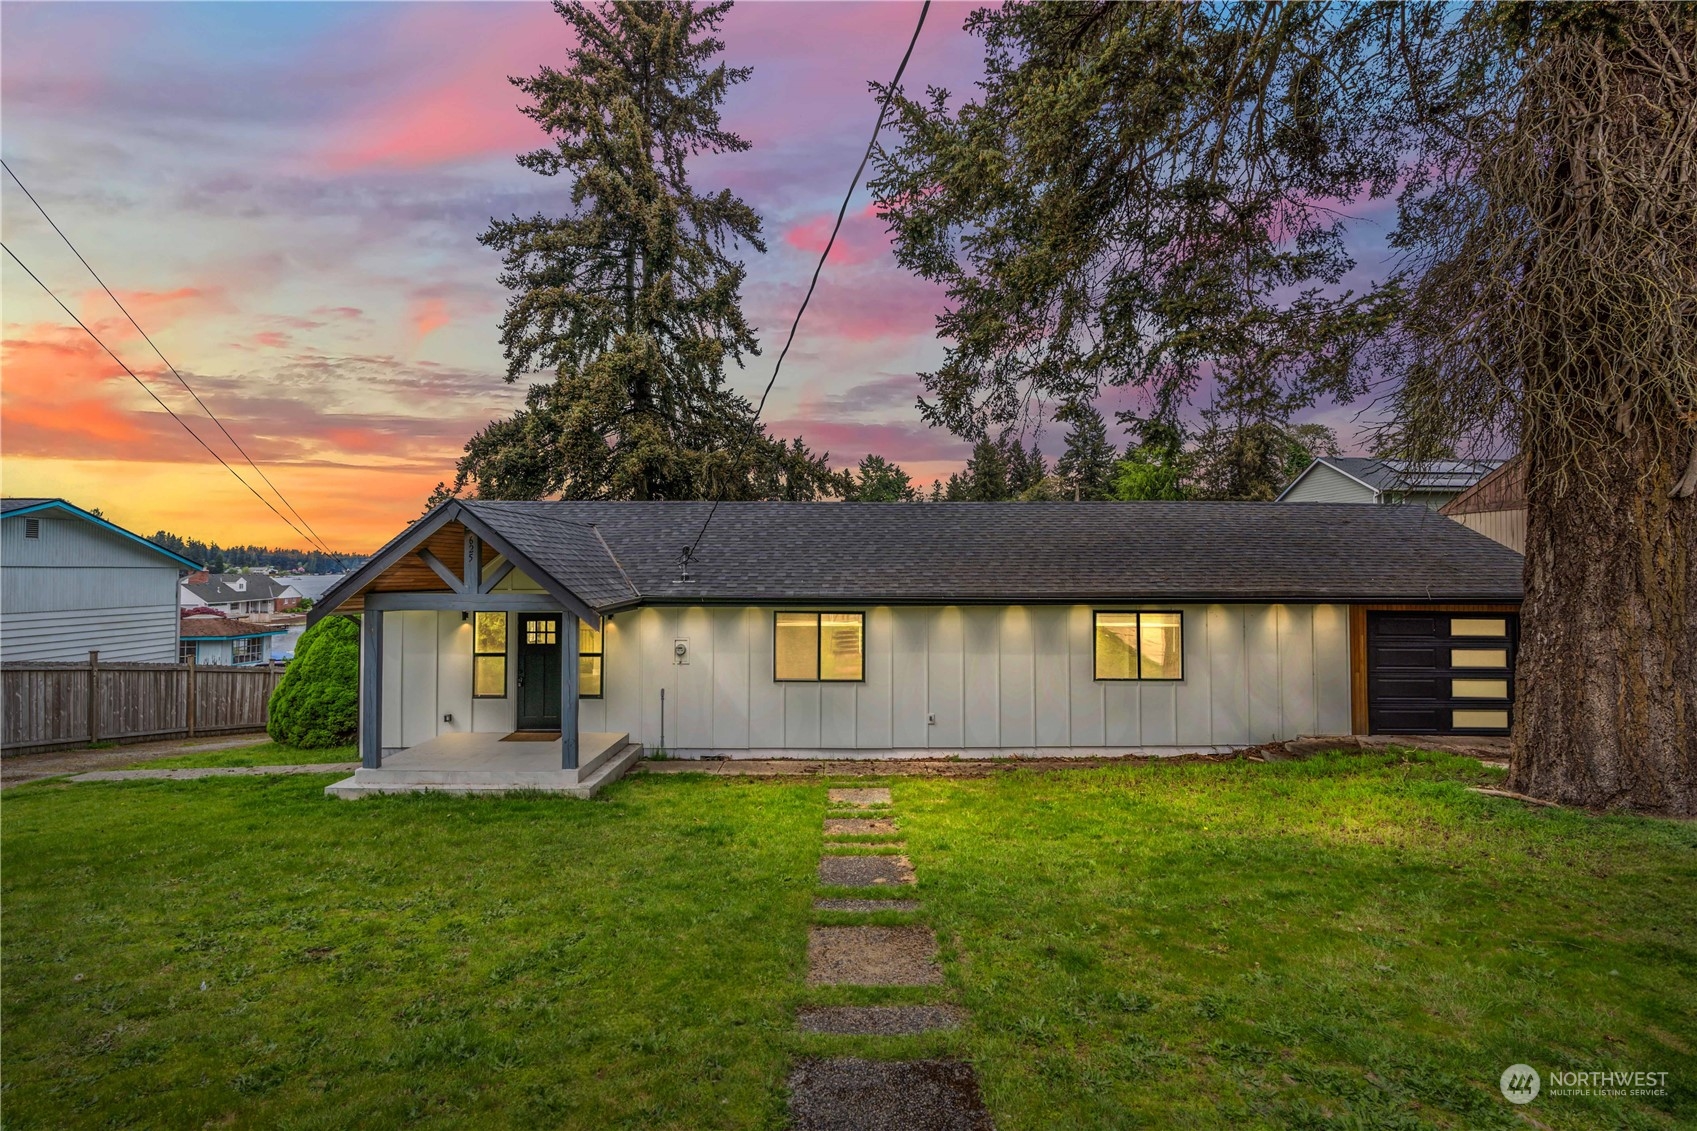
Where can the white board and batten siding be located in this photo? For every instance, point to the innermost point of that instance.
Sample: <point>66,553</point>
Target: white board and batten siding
<point>1015,678</point>
<point>80,588</point>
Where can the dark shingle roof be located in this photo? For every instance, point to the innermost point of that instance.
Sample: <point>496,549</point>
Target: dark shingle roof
<point>9,505</point>
<point>1007,552</point>
<point>218,589</point>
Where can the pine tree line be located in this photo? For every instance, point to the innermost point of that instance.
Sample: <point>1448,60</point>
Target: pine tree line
<point>1222,459</point>
<point>228,559</point>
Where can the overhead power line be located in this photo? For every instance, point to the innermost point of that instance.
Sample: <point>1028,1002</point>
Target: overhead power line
<point>854,183</point>
<point>149,391</point>
<point>180,380</point>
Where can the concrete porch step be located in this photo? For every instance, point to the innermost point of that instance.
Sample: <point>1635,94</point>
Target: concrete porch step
<point>609,767</point>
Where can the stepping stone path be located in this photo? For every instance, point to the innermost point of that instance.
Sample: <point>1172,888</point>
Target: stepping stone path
<point>851,826</point>
<point>864,871</point>
<point>887,1020</point>
<point>866,905</point>
<point>849,1093</point>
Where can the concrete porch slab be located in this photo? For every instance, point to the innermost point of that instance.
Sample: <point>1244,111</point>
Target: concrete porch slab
<point>482,763</point>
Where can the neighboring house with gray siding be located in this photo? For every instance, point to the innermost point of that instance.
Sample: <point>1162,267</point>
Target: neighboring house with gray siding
<point>72,583</point>
<point>1358,479</point>
<point>238,594</point>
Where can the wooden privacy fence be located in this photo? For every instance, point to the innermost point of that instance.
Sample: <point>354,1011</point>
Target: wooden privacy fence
<point>52,705</point>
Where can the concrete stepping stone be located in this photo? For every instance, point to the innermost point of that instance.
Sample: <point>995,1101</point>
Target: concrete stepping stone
<point>866,905</point>
<point>851,826</point>
<point>864,871</point>
<point>849,1094</point>
<point>879,1020</point>
<point>872,956</point>
<point>859,798</point>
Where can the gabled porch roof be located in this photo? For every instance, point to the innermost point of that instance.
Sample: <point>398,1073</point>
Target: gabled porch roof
<point>460,554</point>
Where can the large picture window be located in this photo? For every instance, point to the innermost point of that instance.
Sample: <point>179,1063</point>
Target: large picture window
<point>489,656</point>
<point>1139,645</point>
<point>250,650</point>
<point>819,648</point>
<point>589,657</point>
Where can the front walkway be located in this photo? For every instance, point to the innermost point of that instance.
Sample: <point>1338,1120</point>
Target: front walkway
<point>17,768</point>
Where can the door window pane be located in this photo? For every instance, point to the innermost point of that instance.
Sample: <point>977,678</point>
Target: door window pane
<point>796,646</point>
<point>1116,645</point>
<point>1160,645</point>
<point>1479,658</point>
<point>1479,626</point>
<point>1478,689</point>
<point>842,640</point>
<point>1480,719</point>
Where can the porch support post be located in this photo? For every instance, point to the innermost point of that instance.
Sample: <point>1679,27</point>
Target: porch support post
<point>568,691</point>
<point>371,689</point>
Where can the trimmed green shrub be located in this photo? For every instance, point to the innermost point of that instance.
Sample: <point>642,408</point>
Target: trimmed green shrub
<point>316,703</point>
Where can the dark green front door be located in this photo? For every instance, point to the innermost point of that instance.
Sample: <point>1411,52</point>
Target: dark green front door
<point>539,672</point>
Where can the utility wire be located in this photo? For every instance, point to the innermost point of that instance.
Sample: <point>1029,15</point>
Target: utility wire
<point>872,142</point>
<point>180,380</point>
<point>149,391</point>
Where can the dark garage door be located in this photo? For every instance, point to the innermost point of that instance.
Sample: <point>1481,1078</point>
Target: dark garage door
<point>1440,673</point>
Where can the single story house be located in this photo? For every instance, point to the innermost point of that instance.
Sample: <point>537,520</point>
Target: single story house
<point>1358,479</point>
<point>72,583</point>
<point>238,594</point>
<point>227,641</point>
<point>1495,506</point>
<point>873,629</point>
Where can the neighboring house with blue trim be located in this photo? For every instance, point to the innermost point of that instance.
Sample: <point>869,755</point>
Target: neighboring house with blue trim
<point>220,640</point>
<point>72,583</point>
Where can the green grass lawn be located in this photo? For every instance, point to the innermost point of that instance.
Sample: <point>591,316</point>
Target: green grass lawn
<point>260,754</point>
<point>1349,942</point>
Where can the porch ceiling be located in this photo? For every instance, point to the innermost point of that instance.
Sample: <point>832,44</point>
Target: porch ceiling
<point>410,574</point>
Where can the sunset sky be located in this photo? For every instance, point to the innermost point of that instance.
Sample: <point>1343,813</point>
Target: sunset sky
<point>288,198</point>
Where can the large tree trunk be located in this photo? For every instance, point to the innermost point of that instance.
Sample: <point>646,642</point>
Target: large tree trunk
<point>1602,327</point>
<point>1606,714</point>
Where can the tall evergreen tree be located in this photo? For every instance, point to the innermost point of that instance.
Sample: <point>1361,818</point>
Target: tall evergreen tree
<point>1144,193</point>
<point>632,298</point>
<point>985,479</point>
<point>880,481</point>
<point>1086,467</point>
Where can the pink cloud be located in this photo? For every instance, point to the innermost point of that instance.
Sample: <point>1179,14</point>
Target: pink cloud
<point>271,339</point>
<point>861,240</point>
<point>468,110</point>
